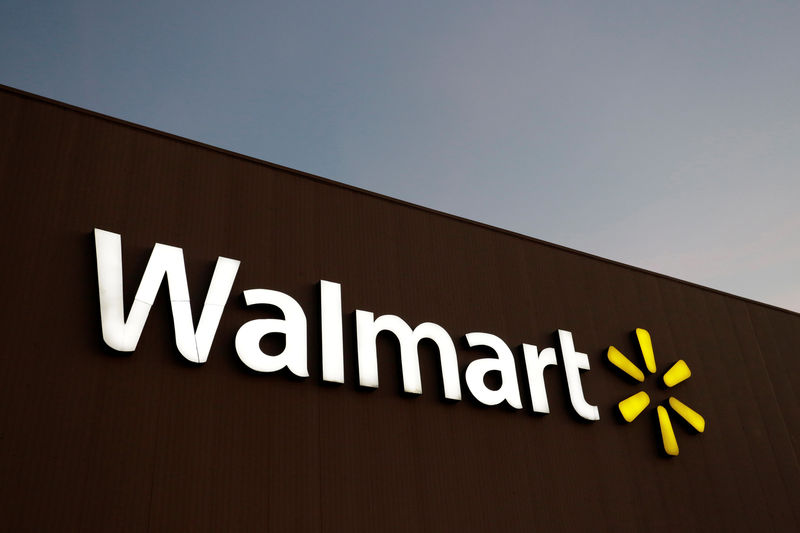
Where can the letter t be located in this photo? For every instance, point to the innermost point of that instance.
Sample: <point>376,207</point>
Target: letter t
<point>574,362</point>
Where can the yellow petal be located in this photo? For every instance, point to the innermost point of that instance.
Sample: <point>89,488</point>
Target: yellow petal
<point>679,372</point>
<point>616,358</point>
<point>687,413</point>
<point>631,407</point>
<point>667,435</point>
<point>647,349</point>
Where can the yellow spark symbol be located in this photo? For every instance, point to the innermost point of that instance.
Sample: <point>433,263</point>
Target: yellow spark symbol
<point>633,406</point>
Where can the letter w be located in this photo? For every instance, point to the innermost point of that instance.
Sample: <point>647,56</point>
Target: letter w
<point>123,335</point>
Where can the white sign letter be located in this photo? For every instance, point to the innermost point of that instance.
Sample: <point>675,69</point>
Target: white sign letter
<point>294,355</point>
<point>368,327</point>
<point>123,335</point>
<point>331,321</point>
<point>574,362</point>
<point>509,389</point>
<point>536,363</point>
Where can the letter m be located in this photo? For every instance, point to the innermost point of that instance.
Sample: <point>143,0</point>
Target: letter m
<point>123,335</point>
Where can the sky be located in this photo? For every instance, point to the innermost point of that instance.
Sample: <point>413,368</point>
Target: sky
<point>665,135</point>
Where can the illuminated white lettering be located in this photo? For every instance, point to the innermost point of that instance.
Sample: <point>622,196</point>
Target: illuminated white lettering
<point>331,323</point>
<point>535,362</point>
<point>123,335</point>
<point>504,363</point>
<point>367,329</point>
<point>167,261</point>
<point>294,355</point>
<point>574,362</point>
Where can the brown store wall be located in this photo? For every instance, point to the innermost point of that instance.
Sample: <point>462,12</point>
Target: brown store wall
<point>91,439</point>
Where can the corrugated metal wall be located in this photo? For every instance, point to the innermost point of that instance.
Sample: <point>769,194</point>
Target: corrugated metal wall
<point>91,439</point>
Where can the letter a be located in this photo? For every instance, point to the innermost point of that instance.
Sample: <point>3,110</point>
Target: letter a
<point>295,355</point>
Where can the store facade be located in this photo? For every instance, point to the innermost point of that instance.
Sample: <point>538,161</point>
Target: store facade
<point>199,340</point>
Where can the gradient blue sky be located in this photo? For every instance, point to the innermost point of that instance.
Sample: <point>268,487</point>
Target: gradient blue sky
<point>661,134</point>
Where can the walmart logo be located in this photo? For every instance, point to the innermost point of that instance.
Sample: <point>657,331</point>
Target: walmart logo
<point>633,406</point>
<point>194,343</point>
